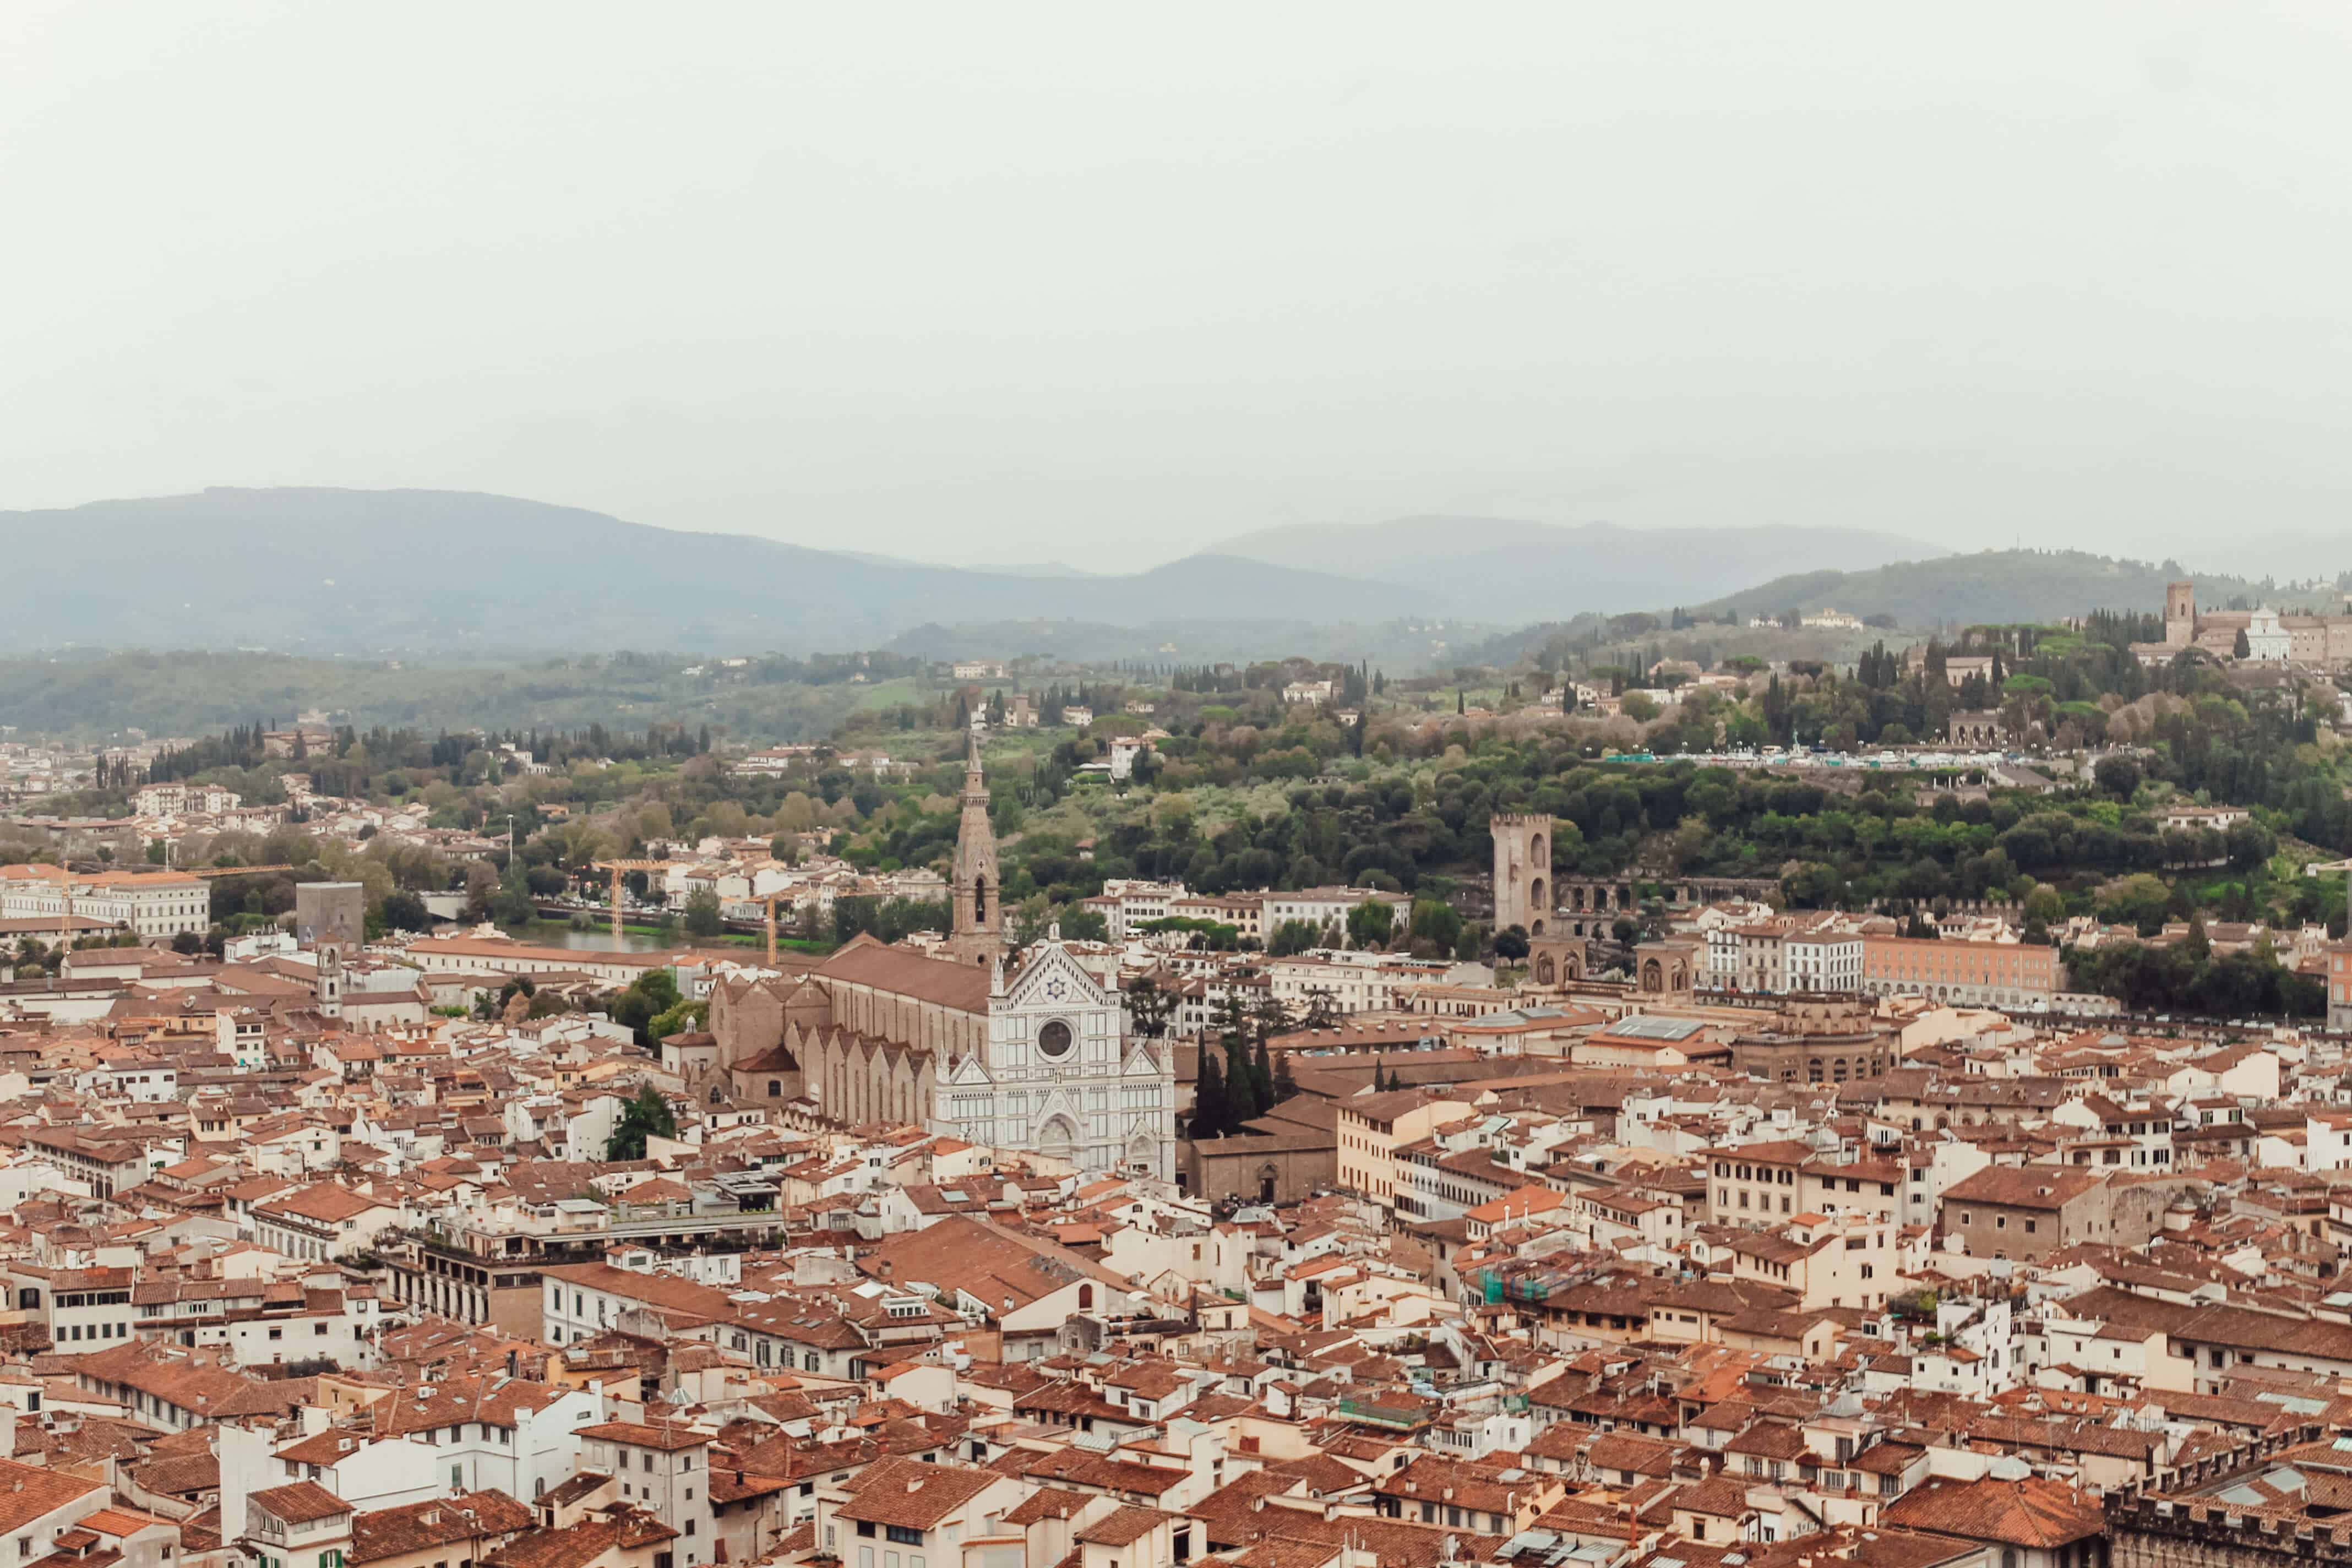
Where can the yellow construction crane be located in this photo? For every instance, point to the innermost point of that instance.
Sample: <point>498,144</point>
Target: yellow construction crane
<point>619,868</point>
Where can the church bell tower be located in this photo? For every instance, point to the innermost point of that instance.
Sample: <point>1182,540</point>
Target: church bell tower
<point>975,920</point>
<point>2179,614</point>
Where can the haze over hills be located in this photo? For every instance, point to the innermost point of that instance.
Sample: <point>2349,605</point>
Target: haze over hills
<point>1989,587</point>
<point>422,573</point>
<point>1505,570</point>
<point>326,571</point>
<point>1992,585</point>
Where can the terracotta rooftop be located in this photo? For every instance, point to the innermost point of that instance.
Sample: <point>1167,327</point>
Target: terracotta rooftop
<point>299,1502</point>
<point>2035,1513</point>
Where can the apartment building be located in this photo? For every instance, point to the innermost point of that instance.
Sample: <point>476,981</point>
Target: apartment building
<point>1372,1128</point>
<point>178,799</point>
<point>1380,982</point>
<point>1245,912</point>
<point>1784,953</point>
<point>664,1468</point>
<point>1829,1261</point>
<point>1755,1184</point>
<point>1821,959</point>
<point>1126,904</point>
<point>1973,973</point>
<point>1327,906</point>
<point>148,903</point>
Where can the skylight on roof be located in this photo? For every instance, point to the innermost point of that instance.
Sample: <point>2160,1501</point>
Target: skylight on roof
<point>1648,1027</point>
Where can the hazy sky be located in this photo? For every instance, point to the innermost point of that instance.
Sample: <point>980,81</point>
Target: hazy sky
<point>1098,283</point>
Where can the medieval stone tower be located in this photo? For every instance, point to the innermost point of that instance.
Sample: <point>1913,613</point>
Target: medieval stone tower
<point>975,920</point>
<point>1523,890</point>
<point>2179,614</point>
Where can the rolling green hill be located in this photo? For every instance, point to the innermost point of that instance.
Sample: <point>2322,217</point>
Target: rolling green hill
<point>1994,585</point>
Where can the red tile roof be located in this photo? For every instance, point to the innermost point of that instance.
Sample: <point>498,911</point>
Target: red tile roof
<point>27,1492</point>
<point>2034,1512</point>
<point>665,1437</point>
<point>299,1502</point>
<point>912,1494</point>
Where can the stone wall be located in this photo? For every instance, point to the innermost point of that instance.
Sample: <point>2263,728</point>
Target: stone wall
<point>1214,1168</point>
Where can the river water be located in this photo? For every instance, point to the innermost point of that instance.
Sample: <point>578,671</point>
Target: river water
<point>556,934</point>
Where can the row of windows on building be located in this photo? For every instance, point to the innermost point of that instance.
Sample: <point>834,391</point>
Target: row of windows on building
<point>97,1330</point>
<point>1829,1184</point>
<point>1999,1221</point>
<point>1723,1201</point>
<point>1452,1193</point>
<point>1761,1468</point>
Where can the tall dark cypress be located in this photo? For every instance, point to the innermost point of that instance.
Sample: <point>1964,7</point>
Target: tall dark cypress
<point>1209,1098</point>
<point>1241,1102</point>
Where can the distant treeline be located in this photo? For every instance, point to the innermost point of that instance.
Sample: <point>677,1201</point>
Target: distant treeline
<point>246,746</point>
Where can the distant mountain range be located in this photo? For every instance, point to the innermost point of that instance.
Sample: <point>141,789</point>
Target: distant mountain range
<point>1496,570</point>
<point>423,572</point>
<point>335,571</point>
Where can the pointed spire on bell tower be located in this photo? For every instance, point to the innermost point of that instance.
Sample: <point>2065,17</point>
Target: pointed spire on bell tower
<point>975,922</point>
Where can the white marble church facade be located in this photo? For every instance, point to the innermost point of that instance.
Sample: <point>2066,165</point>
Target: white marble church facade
<point>1030,1053</point>
<point>1059,1075</point>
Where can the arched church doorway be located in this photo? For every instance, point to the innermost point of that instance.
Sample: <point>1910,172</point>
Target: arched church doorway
<point>1057,1138</point>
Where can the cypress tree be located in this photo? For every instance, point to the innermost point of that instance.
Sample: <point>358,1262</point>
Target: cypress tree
<point>1209,1099</point>
<point>1263,1073</point>
<point>1240,1086</point>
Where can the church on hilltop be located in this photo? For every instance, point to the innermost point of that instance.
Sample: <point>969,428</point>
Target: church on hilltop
<point>2261,635</point>
<point>1028,1052</point>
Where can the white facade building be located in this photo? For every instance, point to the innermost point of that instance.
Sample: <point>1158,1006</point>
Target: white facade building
<point>182,799</point>
<point>1059,1075</point>
<point>1126,904</point>
<point>2267,641</point>
<point>152,903</point>
<point>1327,906</point>
<point>1822,961</point>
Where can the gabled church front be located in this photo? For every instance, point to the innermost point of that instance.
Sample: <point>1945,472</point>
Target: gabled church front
<point>1035,1055</point>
